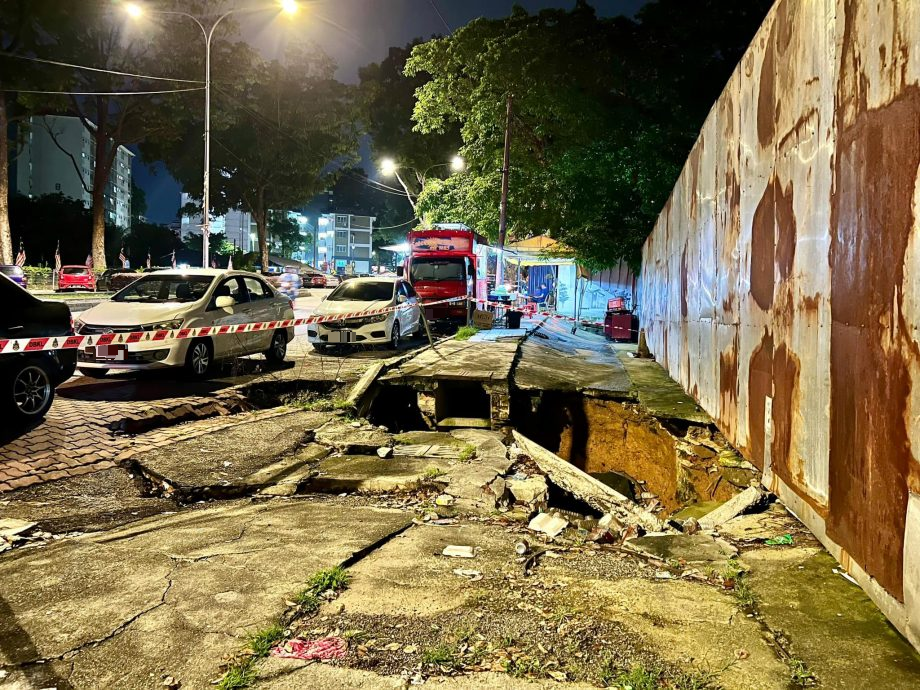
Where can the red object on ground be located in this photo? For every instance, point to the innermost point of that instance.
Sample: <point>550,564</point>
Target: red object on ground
<point>620,326</point>
<point>76,277</point>
<point>312,650</point>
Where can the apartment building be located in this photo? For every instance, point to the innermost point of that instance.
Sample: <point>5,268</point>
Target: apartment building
<point>344,242</point>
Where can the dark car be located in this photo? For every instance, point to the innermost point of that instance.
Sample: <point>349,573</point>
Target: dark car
<point>16,274</point>
<point>28,378</point>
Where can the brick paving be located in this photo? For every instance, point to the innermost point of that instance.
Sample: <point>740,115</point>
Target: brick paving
<point>81,431</point>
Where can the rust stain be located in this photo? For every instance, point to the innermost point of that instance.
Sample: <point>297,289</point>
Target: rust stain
<point>766,96</point>
<point>785,230</point>
<point>785,389</point>
<point>683,284</point>
<point>763,248</point>
<point>728,376</point>
<point>760,387</point>
<point>871,215</point>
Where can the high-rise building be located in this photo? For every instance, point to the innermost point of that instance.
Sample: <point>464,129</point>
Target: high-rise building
<point>235,225</point>
<point>343,242</point>
<point>58,157</point>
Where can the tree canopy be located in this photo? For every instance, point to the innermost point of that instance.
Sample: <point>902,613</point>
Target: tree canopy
<point>605,112</point>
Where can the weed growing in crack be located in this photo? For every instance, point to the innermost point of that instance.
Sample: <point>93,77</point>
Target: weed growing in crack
<point>799,673</point>
<point>240,675</point>
<point>638,678</point>
<point>466,332</point>
<point>440,655</point>
<point>734,577</point>
<point>432,472</point>
<point>261,642</point>
<point>319,404</point>
<point>468,452</point>
<point>307,601</point>
<point>524,668</point>
<point>335,579</point>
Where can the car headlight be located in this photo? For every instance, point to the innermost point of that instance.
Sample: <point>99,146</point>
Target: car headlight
<point>173,325</point>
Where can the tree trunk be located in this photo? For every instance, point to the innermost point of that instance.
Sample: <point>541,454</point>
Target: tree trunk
<point>261,214</point>
<point>6,240</point>
<point>98,202</point>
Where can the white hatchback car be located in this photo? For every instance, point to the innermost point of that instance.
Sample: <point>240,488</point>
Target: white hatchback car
<point>366,294</point>
<point>185,298</point>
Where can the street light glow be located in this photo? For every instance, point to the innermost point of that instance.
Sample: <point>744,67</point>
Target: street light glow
<point>289,6</point>
<point>457,163</point>
<point>388,167</point>
<point>134,10</point>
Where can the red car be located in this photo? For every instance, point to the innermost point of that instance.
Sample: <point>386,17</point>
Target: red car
<point>76,278</point>
<point>318,280</point>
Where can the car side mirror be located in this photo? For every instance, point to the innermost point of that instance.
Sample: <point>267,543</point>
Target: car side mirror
<point>224,302</point>
<point>400,271</point>
<point>401,299</point>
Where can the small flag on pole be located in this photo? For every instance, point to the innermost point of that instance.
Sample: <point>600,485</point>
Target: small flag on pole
<point>122,258</point>
<point>174,258</point>
<point>230,263</point>
<point>214,262</point>
<point>89,260</point>
<point>148,258</point>
<point>21,256</point>
<point>57,257</point>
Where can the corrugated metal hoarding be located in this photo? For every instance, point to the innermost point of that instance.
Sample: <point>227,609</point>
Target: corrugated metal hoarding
<point>782,280</point>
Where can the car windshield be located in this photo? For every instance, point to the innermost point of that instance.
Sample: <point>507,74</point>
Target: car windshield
<point>174,288</point>
<point>363,291</point>
<point>75,270</point>
<point>11,270</point>
<point>437,269</point>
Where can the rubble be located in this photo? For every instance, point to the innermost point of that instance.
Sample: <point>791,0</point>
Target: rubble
<point>532,491</point>
<point>385,452</point>
<point>455,551</point>
<point>585,487</point>
<point>741,503</point>
<point>349,439</point>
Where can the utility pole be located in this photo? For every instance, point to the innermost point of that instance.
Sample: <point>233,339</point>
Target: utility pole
<point>503,212</point>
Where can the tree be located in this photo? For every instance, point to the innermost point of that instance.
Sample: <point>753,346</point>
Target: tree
<point>387,99</point>
<point>285,234</point>
<point>149,238</point>
<point>277,142</point>
<point>138,203</point>
<point>605,112</point>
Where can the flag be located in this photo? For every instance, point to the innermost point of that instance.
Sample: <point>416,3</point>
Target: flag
<point>122,258</point>
<point>174,258</point>
<point>89,260</point>
<point>230,263</point>
<point>214,262</point>
<point>148,258</point>
<point>57,257</point>
<point>21,256</point>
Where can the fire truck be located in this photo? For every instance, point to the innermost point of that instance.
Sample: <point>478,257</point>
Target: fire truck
<point>442,263</point>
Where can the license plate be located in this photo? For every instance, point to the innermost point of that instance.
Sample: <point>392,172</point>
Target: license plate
<point>343,336</point>
<point>113,352</point>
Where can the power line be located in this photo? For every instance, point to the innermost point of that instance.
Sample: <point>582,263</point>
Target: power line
<point>104,71</point>
<point>104,93</point>
<point>441,16</point>
<point>391,227</point>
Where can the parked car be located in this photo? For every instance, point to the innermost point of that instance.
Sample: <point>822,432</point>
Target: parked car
<point>16,274</point>
<point>185,298</point>
<point>76,278</point>
<point>332,280</point>
<point>318,280</point>
<point>364,294</point>
<point>29,378</point>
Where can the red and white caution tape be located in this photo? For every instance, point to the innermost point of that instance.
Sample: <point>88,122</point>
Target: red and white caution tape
<point>78,341</point>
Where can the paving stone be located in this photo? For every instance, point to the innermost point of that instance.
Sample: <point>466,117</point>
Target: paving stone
<point>353,441</point>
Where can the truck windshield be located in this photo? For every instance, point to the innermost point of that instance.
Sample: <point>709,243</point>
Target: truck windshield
<point>363,291</point>
<point>437,269</point>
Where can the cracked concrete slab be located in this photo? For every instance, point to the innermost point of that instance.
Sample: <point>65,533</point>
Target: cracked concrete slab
<point>236,456</point>
<point>373,474</point>
<point>173,594</point>
<point>351,440</point>
<point>87,503</point>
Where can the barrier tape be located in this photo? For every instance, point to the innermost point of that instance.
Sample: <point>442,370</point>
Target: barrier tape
<point>73,342</point>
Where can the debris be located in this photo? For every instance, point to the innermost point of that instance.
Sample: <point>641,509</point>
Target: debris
<point>171,683</point>
<point>356,425</point>
<point>312,650</point>
<point>531,490</point>
<point>845,575</point>
<point>551,525</point>
<point>735,506</point>
<point>784,540</point>
<point>582,485</point>
<point>385,452</point>
<point>459,551</point>
<point>521,547</point>
<point>689,548</point>
<point>471,575</point>
<point>444,500</point>
<point>11,527</point>
<point>410,649</point>
<point>691,525</point>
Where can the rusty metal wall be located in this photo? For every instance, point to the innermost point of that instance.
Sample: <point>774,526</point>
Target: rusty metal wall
<point>781,284</point>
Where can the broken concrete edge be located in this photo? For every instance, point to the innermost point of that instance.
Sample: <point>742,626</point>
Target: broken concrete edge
<point>585,487</point>
<point>733,507</point>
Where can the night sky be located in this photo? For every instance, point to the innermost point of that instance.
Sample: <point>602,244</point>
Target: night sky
<point>355,33</point>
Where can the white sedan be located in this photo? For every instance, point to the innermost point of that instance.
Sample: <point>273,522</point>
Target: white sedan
<point>367,294</point>
<point>185,298</point>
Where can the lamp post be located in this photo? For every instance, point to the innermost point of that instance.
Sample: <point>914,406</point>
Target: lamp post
<point>136,11</point>
<point>389,167</point>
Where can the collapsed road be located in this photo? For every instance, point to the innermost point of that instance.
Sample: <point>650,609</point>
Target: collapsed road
<point>417,524</point>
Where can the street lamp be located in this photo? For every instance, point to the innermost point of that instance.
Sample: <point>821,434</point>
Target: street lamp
<point>136,11</point>
<point>389,168</point>
<point>457,164</point>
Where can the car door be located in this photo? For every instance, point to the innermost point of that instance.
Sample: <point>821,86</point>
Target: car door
<point>414,310</point>
<point>233,344</point>
<point>263,307</point>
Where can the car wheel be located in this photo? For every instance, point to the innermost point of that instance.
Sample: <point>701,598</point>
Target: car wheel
<point>93,373</point>
<point>277,351</point>
<point>199,358</point>
<point>31,390</point>
<point>320,347</point>
<point>394,336</point>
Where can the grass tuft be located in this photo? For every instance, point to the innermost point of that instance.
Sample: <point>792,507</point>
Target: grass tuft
<point>440,655</point>
<point>637,678</point>
<point>799,673</point>
<point>239,675</point>
<point>261,643</point>
<point>431,472</point>
<point>466,332</point>
<point>468,452</point>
